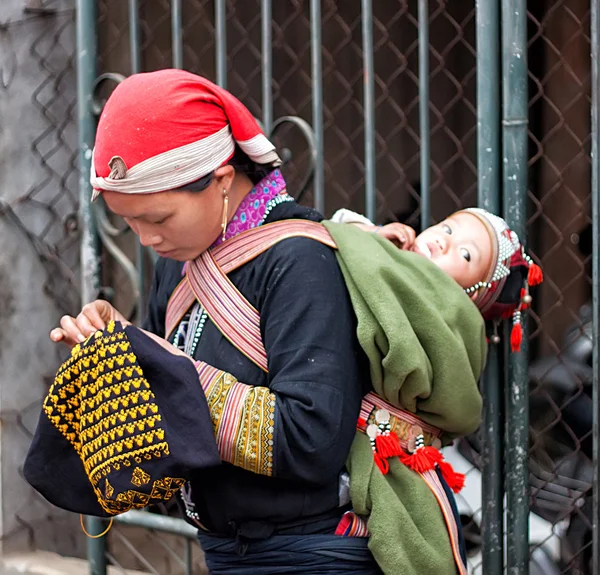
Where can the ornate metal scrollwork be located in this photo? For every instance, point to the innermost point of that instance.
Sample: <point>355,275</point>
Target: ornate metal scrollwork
<point>108,234</point>
<point>97,104</point>
<point>286,155</point>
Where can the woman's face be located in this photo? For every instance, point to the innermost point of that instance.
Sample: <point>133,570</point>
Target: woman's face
<point>460,245</point>
<point>176,224</point>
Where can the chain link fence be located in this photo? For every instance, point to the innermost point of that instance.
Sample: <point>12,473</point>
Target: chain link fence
<point>38,214</point>
<point>46,210</point>
<point>559,192</point>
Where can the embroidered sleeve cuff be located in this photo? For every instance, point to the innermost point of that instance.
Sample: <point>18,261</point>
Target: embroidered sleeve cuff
<point>243,418</point>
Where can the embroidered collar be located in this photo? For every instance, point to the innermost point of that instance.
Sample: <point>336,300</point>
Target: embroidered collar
<point>253,210</point>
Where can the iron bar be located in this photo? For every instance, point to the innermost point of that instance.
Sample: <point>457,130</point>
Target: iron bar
<point>135,37</point>
<point>188,557</point>
<point>515,171</point>
<point>136,67</point>
<point>221,41</point>
<point>161,523</point>
<point>492,485</point>
<point>96,548</point>
<point>595,136</point>
<point>488,191</point>
<point>176,35</point>
<point>90,258</point>
<point>86,124</point>
<point>424,111</point>
<point>267,66</point>
<point>317,103</point>
<point>369,108</point>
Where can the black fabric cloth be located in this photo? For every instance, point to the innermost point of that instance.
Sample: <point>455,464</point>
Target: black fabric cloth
<point>121,426</point>
<point>283,554</point>
<point>317,371</point>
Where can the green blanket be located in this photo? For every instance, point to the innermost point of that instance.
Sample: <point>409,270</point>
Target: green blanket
<point>426,344</point>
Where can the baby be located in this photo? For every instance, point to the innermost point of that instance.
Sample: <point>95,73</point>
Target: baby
<point>426,348</point>
<point>468,245</point>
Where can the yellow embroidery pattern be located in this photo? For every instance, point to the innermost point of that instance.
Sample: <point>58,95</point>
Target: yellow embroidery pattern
<point>103,405</point>
<point>166,488</point>
<point>247,441</point>
<point>139,477</point>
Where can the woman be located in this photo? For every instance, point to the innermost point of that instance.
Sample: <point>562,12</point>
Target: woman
<point>186,165</point>
<point>165,161</point>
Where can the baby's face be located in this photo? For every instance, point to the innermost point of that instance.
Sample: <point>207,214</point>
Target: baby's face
<point>460,245</point>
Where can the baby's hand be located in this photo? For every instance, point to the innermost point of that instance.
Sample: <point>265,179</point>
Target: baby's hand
<point>401,235</point>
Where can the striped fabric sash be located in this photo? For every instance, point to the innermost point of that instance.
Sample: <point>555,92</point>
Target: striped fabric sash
<point>206,281</point>
<point>401,423</point>
<point>435,485</point>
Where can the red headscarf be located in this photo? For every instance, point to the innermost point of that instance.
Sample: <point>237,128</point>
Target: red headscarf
<point>162,130</point>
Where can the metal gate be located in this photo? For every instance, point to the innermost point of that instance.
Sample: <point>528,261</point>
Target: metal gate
<point>394,108</point>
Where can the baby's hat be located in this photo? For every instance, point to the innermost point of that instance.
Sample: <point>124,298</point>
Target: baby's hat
<point>504,292</point>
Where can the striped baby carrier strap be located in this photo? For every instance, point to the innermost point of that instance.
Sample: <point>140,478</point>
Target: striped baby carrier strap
<point>205,281</point>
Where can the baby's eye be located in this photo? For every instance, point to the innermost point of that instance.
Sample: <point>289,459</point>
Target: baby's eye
<point>465,254</point>
<point>447,229</point>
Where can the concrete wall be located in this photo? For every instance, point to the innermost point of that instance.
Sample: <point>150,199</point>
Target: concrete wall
<point>37,140</point>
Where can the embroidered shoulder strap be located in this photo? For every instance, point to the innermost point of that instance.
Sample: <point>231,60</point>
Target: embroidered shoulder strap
<point>206,281</point>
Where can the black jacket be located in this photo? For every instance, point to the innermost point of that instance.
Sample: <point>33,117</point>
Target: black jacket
<point>317,372</point>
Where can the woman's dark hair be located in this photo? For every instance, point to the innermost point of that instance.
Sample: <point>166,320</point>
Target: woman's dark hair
<point>241,163</point>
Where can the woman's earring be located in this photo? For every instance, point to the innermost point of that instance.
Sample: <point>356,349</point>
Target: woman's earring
<point>225,213</point>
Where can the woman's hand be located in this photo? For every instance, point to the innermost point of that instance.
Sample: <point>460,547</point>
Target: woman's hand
<point>93,317</point>
<point>401,235</point>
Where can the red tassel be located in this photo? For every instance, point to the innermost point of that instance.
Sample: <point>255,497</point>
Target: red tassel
<point>535,276</point>
<point>423,459</point>
<point>382,463</point>
<point>388,445</point>
<point>456,481</point>
<point>516,337</point>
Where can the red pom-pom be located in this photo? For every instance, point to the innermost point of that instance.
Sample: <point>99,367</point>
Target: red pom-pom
<point>362,423</point>
<point>423,459</point>
<point>535,276</point>
<point>456,481</point>
<point>516,337</point>
<point>388,445</point>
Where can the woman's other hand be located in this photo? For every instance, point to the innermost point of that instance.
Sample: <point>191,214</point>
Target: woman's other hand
<point>401,235</point>
<point>93,317</point>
